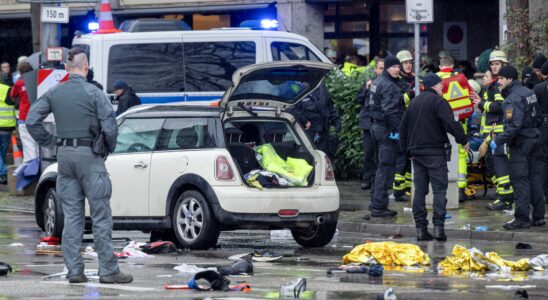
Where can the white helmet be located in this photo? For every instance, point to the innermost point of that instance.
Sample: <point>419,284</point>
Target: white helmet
<point>498,55</point>
<point>404,55</point>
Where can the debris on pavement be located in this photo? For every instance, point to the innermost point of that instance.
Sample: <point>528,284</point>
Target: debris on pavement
<point>387,254</point>
<point>280,234</point>
<point>466,227</point>
<point>481,228</point>
<point>389,295</point>
<point>523,246</point>
<point>133,250</point>
<point>373,270</point>
<point>159,247</point>
<point>90,274</point>
<point>508,212</point>
<point>293,289</point>
<point>260,256</point>
<point>539,262</point>
<point>522,294</point>
<point>5,269</point>
<point>16,245</point>
<point>50,240</point>
<point>191,269</point>
<point>209,280</point>
<point>241,267</point>
<point>407,210</point>
<point>474,260</point>
<point>510,287</point>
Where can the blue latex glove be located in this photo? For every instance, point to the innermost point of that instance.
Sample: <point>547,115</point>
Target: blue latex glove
<point>493,146</point>
<point>394,136</point>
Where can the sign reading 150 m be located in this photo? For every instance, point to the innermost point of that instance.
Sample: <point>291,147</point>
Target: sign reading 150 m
<point>55,14</point>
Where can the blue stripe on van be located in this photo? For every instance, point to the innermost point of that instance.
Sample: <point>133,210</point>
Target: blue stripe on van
<point>176,98</point>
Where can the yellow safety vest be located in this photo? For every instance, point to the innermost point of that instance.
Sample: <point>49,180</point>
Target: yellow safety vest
<point>7,112</point>
<point>456,92</point>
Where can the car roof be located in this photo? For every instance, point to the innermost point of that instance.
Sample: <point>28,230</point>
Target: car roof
<point>170,111</point>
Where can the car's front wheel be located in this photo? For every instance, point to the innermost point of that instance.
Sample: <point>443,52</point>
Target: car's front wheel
<point>315,235</point>
<point>194,224</point>
<point>53,214</point>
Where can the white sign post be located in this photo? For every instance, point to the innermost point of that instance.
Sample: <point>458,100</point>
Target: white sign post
<point>418,12</point>
<point>55,14</point>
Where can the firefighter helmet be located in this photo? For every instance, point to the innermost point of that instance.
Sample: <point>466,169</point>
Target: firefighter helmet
<point>404,55</point>
<point>498,55</point>
<point>474,85</point>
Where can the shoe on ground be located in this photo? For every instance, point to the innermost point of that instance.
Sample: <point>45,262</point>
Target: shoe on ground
<point>116,278</point>
<point>80,278</point>
<point>439,234</point>
<point>516,224</point>
<point>383,213</point>
<point>403,198</point>
<point>365,186</point>
<point>424,235</point>
<point>540,222</point>
<point>499,205</point>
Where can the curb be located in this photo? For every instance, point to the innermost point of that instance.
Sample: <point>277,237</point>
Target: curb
<point>17,210</point>
<point>408,231</point>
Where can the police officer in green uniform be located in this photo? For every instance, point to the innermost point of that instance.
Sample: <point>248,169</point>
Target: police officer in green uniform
<point>77,105</point>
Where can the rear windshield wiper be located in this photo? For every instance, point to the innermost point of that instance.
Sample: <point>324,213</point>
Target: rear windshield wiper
<point>248,109</point>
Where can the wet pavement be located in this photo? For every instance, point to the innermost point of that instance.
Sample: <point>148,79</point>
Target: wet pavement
<point>471,221</point>
<point>152,273</point>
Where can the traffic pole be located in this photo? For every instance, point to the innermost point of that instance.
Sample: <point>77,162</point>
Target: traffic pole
<point>417,58</point>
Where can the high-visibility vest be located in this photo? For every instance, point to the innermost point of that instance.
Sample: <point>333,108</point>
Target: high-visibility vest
<point>7,112</point>
<point>457,92</point>
<point>485,127</point>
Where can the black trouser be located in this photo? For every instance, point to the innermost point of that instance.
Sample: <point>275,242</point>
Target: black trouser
<point>429,169</point>
<point>525,168</point>
<point>369,158</point>
<point>544,158</point>
<point>499,166</point>
<point>387,155</point>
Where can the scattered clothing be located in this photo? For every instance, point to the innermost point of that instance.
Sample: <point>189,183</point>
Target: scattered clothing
<point>5,269</point>
<point>295,170</point>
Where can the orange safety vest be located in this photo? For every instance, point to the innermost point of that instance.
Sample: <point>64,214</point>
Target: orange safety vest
<point>457,92</point>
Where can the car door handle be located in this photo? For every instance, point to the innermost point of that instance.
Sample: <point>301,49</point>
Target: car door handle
<point>141,164</point>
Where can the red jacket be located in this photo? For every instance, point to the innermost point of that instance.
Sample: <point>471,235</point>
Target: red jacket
<point>20,91</point>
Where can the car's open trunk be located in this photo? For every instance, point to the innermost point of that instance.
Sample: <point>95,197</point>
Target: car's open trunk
<point>243,136</point>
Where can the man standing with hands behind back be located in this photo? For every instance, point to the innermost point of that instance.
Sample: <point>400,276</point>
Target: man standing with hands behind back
<point>423,136</point>
<point>77,105</point>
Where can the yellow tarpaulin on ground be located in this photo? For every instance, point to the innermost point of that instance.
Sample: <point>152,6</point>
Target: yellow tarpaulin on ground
<point>474,260</point>
<point>388,254</point>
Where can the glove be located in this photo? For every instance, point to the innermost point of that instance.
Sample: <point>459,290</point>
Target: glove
<point>493,146</point>
<point>394,136</point>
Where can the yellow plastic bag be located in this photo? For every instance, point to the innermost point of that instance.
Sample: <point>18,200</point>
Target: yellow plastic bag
<point>388,254</point>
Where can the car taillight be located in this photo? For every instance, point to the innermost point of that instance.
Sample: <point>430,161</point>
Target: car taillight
<point>223,170</point>
<point>329,174</point>
<point>288,212</point>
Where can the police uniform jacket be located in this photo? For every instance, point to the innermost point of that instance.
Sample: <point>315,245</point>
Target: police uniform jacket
<point>521,113</point>
<point>365,113</point>
<point>541,90</point>
<point>386,102</point>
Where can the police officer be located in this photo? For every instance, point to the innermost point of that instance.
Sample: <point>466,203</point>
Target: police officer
<point>77,105</point>
<point>520,138</point>
<point>423,136</point>
<point>369,164</point>
<point>491,125</point>
<point>541,91</point>
<point>387,109</point>
<point>317,114</point>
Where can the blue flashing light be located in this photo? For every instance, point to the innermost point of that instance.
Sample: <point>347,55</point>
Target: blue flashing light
<point>93,26</point>
<point>269,24</point>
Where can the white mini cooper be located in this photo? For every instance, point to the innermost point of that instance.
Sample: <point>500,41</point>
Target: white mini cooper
<point>178,170</point>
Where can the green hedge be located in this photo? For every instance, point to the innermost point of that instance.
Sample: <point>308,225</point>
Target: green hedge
<point>349,158</point>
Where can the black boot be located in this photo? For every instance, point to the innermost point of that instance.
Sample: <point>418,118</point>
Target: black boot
<point>423,234</point>
<point>439,234</point>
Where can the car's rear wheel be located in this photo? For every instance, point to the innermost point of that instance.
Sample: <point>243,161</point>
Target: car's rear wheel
<point>315,235</point>
<point>194,223</point>
<point>53,214</point>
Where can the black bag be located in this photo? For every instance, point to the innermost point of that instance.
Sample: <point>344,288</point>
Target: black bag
<point>99,146</point>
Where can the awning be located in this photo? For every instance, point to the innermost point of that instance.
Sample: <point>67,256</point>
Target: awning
<point>190,9</point>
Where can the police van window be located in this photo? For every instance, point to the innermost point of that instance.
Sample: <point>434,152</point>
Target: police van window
<point>138,135</point>
<point>147,68</point>
<point>209,66</point>
<point>291,51</point>
<point>187,133</point>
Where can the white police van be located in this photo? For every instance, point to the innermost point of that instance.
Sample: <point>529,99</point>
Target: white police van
<point>181,66</point>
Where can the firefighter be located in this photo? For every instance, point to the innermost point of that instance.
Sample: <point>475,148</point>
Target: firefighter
<point>402,178</point>
<point>462,107</point>
<point>492,125</point>
<point>520,138</point>
<point>387,109</point>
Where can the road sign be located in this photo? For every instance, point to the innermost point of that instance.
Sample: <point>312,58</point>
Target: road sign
<point>419,11</point>
<point>55,14</point>
<point>54,54</point>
